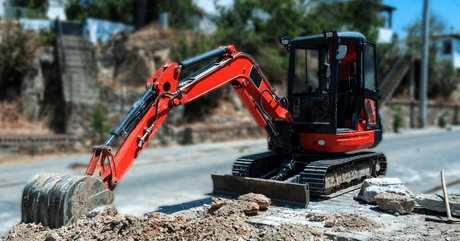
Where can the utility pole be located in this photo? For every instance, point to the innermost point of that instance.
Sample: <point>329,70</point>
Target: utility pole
<point>424,66</point>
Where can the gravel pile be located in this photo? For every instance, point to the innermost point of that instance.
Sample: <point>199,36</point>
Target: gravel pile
<point>354,222</point>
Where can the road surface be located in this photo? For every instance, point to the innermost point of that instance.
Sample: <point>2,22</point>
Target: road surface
<point>161,179</point>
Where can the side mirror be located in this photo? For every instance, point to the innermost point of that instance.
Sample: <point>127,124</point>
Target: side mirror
<point>342,51</point>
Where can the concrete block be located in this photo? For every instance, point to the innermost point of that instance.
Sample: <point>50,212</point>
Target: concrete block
<point>394,203</point>
<point>372,187</point>
<point>436,203</point>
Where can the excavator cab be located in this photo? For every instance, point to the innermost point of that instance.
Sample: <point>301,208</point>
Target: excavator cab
<point>333,92</point>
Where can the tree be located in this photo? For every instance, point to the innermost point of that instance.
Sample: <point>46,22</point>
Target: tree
<point>16,57</point>
<point>440,78</point>
<point>125,11</point>
<point>113,10</point>
<point>357,15</point>
<point>180,12</point>
<point>414,32</point>
<point>33,6</point>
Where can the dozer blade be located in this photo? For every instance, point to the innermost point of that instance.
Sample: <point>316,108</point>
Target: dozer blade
<point>57,200</point>
<point>280,192</point>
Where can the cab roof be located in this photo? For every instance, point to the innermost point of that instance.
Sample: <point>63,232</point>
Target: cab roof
<point>321,38</point>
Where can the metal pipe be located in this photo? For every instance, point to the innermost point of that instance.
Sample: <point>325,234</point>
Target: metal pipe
<point>121,128</point>
<point>109,140</point>
<point>202,58</point>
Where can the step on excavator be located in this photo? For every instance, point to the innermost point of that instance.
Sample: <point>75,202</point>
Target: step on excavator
<point>314,134</point>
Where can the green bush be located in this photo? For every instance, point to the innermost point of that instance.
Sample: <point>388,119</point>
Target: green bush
<point>442,122</point>
<point>99,121</point>
<point>398,121</point>
<point>16,57</point>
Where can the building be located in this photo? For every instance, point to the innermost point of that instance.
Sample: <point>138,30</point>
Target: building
<point>385,32</point>
<point>448,48</point>
<point>56,8</point>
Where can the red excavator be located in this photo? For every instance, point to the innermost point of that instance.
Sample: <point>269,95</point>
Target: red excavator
<point>331,112</point>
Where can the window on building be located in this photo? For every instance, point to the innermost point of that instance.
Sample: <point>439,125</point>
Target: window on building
<point>447,47</point>
<point>457,46</point>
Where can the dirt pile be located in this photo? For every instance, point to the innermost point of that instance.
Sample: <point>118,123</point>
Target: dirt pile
<point>316,217</point>
<point>354,222</point>
<point>210,225</point>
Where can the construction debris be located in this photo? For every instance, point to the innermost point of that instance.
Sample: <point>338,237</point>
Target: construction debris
<point>354,222</point>
<point>375,186</point>
<point>394,203</point>
<point>316,217</point>
<point>436,203</point>
<point>263,201</point>
<point>111,225</point>
<point>247,204</point>
<point>330,222</point>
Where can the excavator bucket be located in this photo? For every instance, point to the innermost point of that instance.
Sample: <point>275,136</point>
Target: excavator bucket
<point>280,192</point>
<point>57,200</point>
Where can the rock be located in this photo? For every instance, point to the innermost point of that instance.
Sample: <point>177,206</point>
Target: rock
<point>395,203</point>
<point>250,207</point>
<point>374,186</point>
<point>110,210</point>
<point>436,203</point>
<point>330,222</point>
<point>219,202</point>
<point>316,217</point>
<point>263,201</point>
<point>52,236</point>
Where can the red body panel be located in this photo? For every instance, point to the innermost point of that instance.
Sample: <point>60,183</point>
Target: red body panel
<point>345,142</point>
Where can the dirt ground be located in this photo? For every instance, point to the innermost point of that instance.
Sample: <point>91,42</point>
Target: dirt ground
<point>223,220</point>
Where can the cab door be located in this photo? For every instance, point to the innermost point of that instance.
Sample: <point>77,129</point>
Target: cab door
<point>371,92</point>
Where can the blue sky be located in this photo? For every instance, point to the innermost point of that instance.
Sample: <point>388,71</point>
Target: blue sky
<point>406,12</point>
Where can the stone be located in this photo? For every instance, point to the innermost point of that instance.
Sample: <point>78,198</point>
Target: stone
<point>436,203</point>
<point>395,203</point>
<point>330,222</point>
<point>52,236</point>
<point>316,217</point>
<point>374,186</point>
<point>263,201</point>
<point>219,202</point>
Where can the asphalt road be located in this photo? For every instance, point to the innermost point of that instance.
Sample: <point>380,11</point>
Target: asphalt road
<point>161,179</point>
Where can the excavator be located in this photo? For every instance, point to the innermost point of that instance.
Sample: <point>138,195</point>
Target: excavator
<point>315,134</point>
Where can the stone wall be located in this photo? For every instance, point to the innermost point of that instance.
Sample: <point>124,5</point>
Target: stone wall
<point>37,144</point>
<point>410,114</point>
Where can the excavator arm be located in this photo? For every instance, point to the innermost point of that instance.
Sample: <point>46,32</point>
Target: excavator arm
<point>165,91</point>
<point>57,200</point>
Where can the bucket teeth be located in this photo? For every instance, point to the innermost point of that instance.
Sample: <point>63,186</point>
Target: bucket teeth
<point>56,200</point>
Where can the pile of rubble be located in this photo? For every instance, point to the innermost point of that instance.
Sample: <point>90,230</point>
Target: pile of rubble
<point>223,220</point>
<point>391,196</point>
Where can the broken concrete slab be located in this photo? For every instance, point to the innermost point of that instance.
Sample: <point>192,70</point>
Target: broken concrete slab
<point>374,186</point>
<point>395,203</point>
<point>436,203</point>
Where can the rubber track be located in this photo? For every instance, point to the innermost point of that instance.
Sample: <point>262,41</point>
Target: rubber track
<point>243,164</point>
<point>315,173</point>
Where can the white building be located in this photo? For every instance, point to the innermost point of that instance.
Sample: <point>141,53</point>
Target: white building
<point>448,48</point>
<point>385,32</point>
